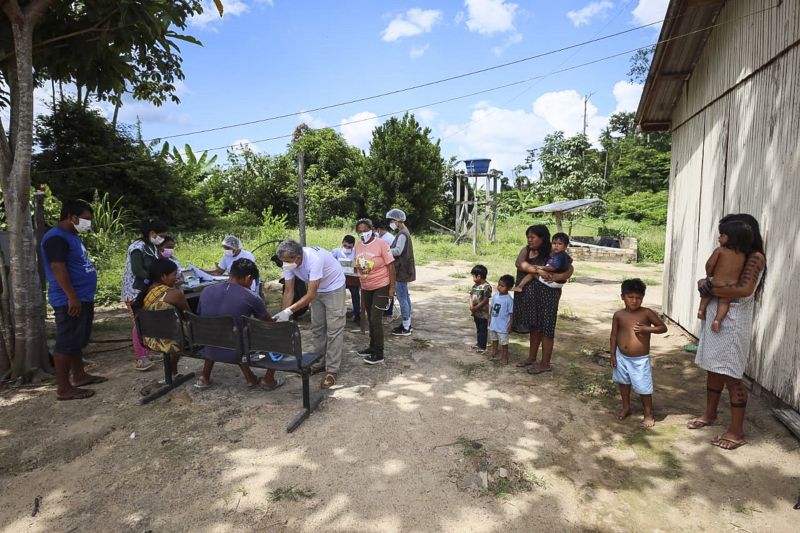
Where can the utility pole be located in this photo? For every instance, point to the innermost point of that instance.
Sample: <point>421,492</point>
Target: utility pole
<point>585,112</point>
<point>301,200</point>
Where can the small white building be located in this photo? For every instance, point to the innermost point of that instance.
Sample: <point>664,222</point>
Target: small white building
<point>725,79</point>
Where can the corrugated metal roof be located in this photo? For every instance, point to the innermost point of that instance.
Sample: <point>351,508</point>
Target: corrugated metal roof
<point>565,206</point>
<point>683,36</point>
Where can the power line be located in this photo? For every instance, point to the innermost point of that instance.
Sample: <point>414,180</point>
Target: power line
<point>413,87</point>
<point>447,100</point>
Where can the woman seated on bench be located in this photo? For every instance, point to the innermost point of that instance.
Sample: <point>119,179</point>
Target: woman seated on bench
<point>161,294</point>
<point>234,298</point>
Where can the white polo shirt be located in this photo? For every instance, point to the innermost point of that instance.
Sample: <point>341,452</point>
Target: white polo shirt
<point>318,264</point>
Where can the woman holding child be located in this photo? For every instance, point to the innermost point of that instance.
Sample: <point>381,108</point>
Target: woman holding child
<point>536,306</point>
<point>723,353</point>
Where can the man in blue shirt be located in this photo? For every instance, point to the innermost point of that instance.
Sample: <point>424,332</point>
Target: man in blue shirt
<point>72,283</point>
<point>234,298</point>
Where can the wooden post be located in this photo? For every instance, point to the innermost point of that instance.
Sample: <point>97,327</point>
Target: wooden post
<point>559,225</point>
<point>301,201</point>
<point>458,205</point>
<point>475,215</point>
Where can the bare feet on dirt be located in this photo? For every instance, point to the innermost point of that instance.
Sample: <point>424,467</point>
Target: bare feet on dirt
<point>623,413</point>
<point>648,422</point>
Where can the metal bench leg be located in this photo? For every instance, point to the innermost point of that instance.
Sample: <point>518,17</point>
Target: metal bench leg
<point>161,391</point>
<point>169,383</point>
<point>309,404</point>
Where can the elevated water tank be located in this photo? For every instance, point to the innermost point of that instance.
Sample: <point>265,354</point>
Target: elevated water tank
<point>477,167</point>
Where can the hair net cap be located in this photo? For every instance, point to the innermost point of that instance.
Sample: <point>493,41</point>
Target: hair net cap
<point>232,242</point>
<point>396,214</point>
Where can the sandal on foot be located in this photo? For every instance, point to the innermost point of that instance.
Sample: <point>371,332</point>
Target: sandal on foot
<point>77,394</point>
<point>272,386</point>
<point>697,423</point>
<point>727,444</point>
<point>143,365</point>
<point>328,382</point>
<point>524,364</point>
<point>536,370</point>
<point>91,380</point>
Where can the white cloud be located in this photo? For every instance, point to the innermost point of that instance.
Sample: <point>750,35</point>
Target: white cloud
<point>311,121</point>
<point>418,51</point>
<point>503,135</point>
<point>488,17</point>
<point>627,95</point>
<point>563,110</point>
<point>584,15</point>
<point>413,22</point>
<point>244,145</point>
<point>647,11</point>
<point>426,115</point>
<point>512,39</point>
<point>359,133</point>
<point>210,14</point>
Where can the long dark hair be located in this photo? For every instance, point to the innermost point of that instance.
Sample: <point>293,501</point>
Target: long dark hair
<point>740,236</point>
<point>757,244</point>
<point>541,231</point>
<point>160,267</point>
<point>146,226</point>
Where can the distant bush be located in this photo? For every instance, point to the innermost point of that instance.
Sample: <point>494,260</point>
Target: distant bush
<point>642,206</point>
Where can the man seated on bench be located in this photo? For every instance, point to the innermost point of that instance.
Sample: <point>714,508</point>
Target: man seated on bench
<point>234,298</point>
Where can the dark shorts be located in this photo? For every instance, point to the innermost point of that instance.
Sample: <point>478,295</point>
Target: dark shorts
<point>73,332</point>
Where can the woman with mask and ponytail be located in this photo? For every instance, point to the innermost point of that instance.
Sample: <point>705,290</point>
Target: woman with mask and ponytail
<point>142,253</point>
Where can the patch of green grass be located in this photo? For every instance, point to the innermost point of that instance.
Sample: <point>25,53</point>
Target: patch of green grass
<point>744,508</point>
<point>566,312</point>
<point>291,493</point>
<point>459,275</point>
<point>536,480</point>
<point>468,369</point>
<point>655,445</point>
<point>469,447</point>
<point>589,384</point>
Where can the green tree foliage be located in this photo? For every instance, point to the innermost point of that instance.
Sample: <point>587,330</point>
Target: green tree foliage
<point>110,48</point>
<point>73,139</point>
<point>404,170</point>
<point>571,168</point>
<point>249,183</point>
<point>636,162</point>
<point>332,170</point>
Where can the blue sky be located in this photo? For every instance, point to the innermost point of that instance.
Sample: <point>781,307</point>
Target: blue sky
<point>270,57</point>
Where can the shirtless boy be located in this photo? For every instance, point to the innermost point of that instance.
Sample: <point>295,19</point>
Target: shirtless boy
<point>630,349</point>
<point>725,266</point>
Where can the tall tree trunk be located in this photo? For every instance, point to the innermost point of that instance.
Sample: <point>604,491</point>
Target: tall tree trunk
<point>30,349</point>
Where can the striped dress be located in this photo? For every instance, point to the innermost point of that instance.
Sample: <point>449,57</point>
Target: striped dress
<point>726,351</point>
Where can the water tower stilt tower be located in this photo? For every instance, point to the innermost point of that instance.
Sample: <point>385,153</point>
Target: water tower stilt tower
<point>476,202</point>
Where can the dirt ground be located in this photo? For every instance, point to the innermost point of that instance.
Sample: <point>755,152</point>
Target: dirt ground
<point>437,439</point>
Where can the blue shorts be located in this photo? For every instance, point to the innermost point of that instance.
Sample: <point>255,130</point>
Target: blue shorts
<point>634,371</point>
<point>73,332</point>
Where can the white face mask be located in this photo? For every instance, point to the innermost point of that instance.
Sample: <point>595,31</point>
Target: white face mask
<point>228,252</point>
<point>288,267</point>
<point>83,225</point>
<point>367,235</point>
<point>157,240</point>
<point>393,226</point>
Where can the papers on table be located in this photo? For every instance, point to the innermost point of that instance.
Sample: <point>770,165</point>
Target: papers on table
<point>192,273</point>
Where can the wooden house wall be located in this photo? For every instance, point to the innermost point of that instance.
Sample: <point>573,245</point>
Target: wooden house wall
<point>736,148</point>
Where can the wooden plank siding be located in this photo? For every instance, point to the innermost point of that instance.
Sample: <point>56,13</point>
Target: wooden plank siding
<point>736,148</point>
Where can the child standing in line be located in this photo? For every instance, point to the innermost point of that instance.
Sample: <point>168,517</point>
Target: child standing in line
<point>502,314</point>
<point>479,297</point>
<point>726,264</point>
<point>559,262</point>
<point>631,328</point>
